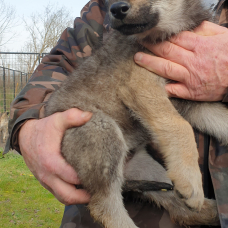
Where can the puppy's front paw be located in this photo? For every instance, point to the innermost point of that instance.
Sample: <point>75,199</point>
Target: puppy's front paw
<point>188,186</point>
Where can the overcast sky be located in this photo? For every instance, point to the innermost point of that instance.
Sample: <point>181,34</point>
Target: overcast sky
<point>27,7</point>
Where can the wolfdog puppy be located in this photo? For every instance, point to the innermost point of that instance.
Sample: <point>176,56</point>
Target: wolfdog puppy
<point>131,109</point>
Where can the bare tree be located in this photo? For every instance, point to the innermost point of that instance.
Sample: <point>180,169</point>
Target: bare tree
<point>45,29</point>
<point>7,22</point>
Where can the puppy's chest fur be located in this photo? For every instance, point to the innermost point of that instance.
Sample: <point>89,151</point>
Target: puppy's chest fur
<point>95,85</point>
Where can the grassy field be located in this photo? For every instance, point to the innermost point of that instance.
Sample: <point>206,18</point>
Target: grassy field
<point>23,201</point>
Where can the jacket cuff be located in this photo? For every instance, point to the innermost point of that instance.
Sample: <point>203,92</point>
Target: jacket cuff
<point>33,113</point>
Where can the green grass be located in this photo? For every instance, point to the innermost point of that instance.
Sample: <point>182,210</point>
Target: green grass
<point>23,201</point>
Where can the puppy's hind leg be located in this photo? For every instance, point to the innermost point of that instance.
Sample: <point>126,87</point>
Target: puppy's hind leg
<point>97,151</point>
<point>180,213</point>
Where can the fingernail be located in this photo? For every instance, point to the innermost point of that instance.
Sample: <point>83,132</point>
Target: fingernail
<point>86,114</point>
<point>138,57</point>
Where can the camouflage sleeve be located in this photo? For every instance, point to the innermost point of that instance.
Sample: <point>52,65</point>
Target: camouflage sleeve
<point>223,21</point>
<point>218,154</point>
<point>74,45</point>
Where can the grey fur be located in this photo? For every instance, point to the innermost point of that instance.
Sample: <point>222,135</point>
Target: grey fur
<point>130,109</point>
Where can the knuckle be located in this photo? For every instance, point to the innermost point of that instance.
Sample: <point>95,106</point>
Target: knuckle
<point>204,25</point>
<point>48,166</point>
<point>177,38</point>
<point>68,202</point>
<point>42,178</point>
<point>173,91</point>
<point>199,46</point>
<point>194,95</point>
<point>57,116</point>
<point>168,69</point>
<point>70,115</point>
<point>65,198</point>
<point>167,49</point>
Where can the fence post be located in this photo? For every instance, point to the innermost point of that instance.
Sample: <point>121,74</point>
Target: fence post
<point>14,85</point>
<point>21,81</point>
<point>4,89</point>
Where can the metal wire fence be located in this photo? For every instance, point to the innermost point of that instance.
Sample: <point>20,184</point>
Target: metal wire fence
<point>15,71</point>
<point>21,61</point>
<point>11,82</point>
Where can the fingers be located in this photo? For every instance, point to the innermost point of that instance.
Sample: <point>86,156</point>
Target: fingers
<point>169,70</point>
<point>171,52</point>
<point>60,179</point>
<point>40,145</point>
<point>209,29</point>
<point>66,172</point>
<point>71,118</point>
<point>162,67</point>
<point>186,40</point>
<point>66,193</point>
<point>193,59</point>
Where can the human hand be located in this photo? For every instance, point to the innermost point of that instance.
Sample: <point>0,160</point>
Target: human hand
<point>40,142</point>
<point>197,61</point>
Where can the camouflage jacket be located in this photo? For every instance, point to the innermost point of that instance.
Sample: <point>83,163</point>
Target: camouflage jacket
<point>74,45</point>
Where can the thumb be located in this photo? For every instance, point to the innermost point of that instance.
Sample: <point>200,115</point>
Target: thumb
<point>71,118</point>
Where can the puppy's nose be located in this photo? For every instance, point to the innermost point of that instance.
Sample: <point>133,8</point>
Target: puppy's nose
<point>120,10</point>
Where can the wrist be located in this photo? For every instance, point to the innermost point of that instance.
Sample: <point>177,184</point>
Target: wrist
<point>25,132</point>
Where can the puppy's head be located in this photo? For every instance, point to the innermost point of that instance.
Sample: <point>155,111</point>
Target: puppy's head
<point>156,19</point>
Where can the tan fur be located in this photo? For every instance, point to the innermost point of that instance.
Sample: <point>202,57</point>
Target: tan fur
<point>143,167</point>
<point>4,119</point>
<point>131,109</point>
<point>151,105</point>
